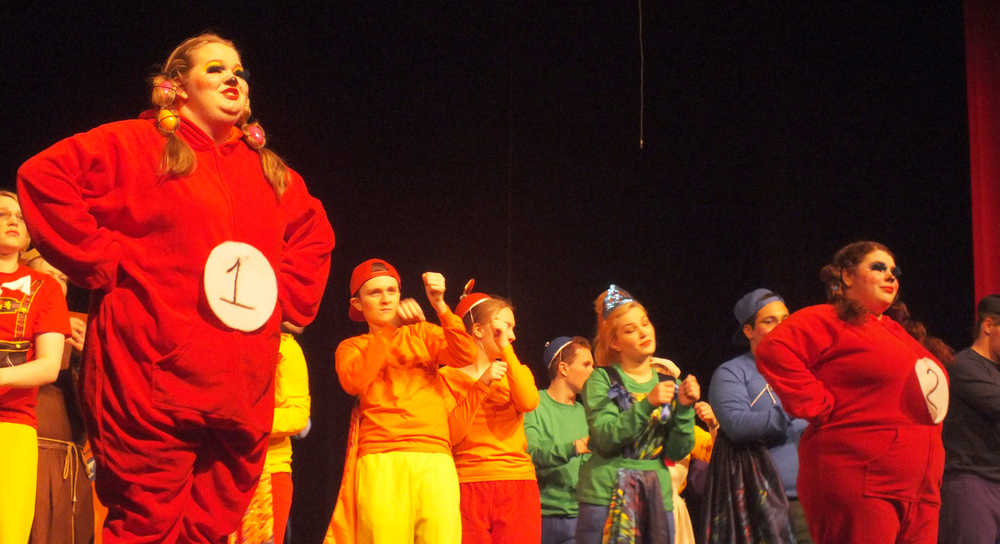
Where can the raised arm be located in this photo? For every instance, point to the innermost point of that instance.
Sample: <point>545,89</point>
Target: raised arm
<point>523,391</point>
<point>454,346</point>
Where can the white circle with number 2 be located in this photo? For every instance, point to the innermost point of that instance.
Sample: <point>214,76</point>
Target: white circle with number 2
<point>934,386</point>
<point>240,285</point>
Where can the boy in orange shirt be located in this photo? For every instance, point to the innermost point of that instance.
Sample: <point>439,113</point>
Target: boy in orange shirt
<point>399,482</point>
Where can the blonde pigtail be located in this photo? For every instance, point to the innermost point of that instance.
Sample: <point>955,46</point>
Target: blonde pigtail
<point>275,169</point>
<point>178,159</point>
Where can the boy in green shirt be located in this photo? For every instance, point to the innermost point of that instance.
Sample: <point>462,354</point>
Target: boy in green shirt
<point>557,435</point>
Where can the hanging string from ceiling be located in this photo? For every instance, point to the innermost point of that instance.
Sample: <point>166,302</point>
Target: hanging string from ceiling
<point>642,83</point>
<point>510,160</point>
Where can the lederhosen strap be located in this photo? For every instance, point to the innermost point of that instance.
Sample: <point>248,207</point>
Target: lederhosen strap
<point>21,322</point>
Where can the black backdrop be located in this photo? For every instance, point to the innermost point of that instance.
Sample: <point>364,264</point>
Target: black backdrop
<point>500,142</point>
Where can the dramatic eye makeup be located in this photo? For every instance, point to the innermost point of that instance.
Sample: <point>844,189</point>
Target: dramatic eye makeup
<point>879,266</point>
<point>214,67</point>
<point>217,67</point>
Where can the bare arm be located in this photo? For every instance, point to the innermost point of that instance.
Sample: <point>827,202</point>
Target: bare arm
<point>43,369</point>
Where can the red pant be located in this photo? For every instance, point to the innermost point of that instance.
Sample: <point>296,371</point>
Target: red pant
<point>501,512</point>
<point>281,497</point>
<point>872,486</point>
<point>166,477</point>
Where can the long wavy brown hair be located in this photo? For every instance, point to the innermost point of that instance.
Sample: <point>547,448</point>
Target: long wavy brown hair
<point>846,261</point>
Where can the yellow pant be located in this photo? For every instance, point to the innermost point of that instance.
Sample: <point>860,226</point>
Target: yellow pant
<point>408,497</point>
<point>18,472</point>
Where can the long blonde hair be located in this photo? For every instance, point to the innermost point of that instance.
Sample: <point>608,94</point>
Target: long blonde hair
<point>607,328</point>
<point>178,159</point>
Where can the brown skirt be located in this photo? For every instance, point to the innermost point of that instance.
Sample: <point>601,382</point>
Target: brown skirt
<point>63,503</point>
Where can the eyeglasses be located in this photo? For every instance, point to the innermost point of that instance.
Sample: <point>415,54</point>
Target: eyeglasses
<point>879,266</point>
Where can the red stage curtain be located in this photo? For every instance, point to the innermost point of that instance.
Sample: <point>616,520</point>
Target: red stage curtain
<point>982,68</point>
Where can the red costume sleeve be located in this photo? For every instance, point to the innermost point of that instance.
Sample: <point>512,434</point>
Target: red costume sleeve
<point>63,185</point>
<point>305,261</point>
<point>786,357</point>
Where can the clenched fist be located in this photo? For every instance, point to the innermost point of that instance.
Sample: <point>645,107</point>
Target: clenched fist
<point>690,391</point>
<point>434,286</point>
<point>663,393</point>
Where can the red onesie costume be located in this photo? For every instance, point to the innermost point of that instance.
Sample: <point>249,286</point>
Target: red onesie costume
<point>178,393</point>
<point>871,461</point>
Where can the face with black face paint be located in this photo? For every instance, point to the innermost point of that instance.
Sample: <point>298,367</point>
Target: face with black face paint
<point>873,283</point>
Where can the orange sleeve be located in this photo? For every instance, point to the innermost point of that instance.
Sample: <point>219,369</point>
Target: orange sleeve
<point>455,347</point>
<point>468,397</point>
<point>359,365</point>
<point>523,391</point>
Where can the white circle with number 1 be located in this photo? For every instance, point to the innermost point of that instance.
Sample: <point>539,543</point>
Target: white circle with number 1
<point>240,285</point>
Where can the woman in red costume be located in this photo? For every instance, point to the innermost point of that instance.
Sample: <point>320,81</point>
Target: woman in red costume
<point>871,461</point>
<point>197,241</point>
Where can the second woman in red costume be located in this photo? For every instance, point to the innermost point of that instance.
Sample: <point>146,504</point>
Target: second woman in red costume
<point>871,461</point>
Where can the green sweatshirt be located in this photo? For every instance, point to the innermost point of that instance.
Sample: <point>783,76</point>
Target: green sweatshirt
<point>552,428</point>
<point>611,430</point>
